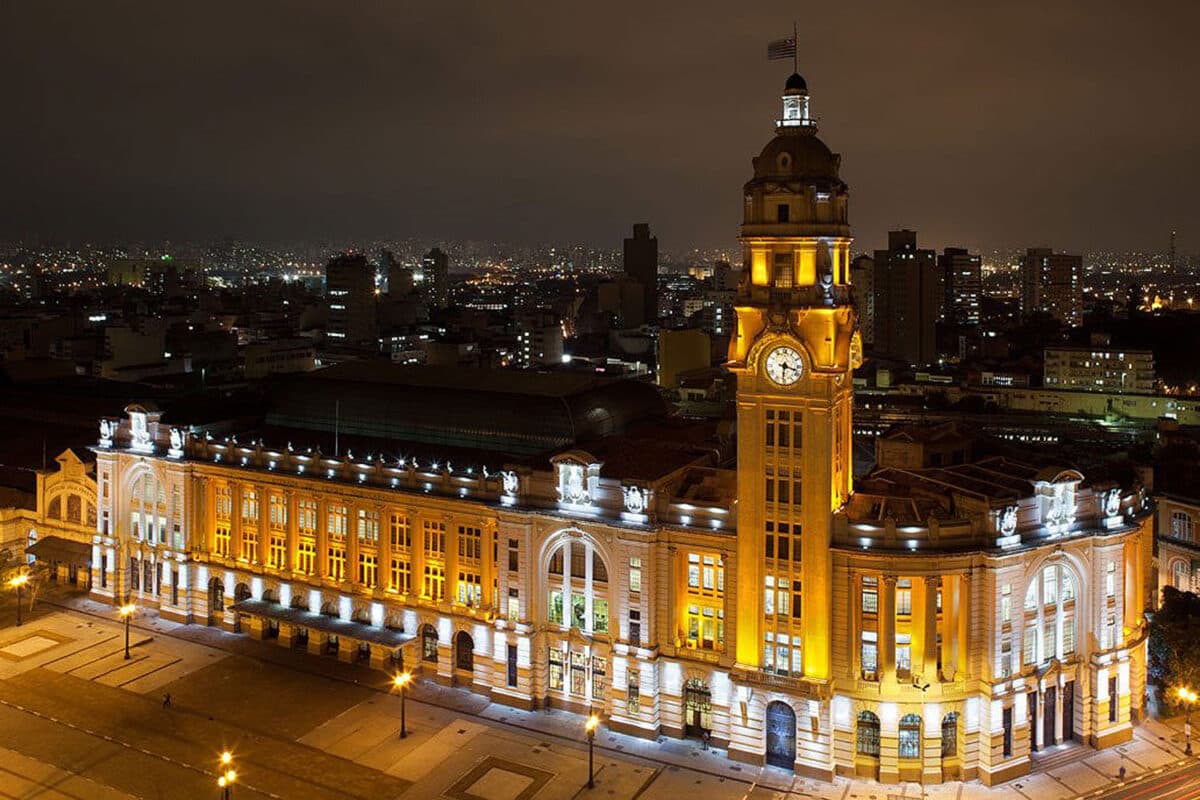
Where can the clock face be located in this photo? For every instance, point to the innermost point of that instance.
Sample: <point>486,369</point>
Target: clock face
<point>784,366</point>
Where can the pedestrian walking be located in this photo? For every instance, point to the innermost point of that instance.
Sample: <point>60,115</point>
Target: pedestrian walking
<point>167,700</point>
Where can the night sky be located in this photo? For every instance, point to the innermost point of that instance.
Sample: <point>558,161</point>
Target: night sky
<point>1070,124</point>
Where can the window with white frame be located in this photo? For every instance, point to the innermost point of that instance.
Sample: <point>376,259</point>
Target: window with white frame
<point>1181,525</point>
<point>1049,613</point>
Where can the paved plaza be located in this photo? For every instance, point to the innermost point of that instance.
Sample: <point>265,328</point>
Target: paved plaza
<point>78,720</point>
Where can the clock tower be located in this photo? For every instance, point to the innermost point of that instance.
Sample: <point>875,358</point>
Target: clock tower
<point>793,353</point>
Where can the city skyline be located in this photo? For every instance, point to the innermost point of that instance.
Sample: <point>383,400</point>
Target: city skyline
<point>1013,126</point>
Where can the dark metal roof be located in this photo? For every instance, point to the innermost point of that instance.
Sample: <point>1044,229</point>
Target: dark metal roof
<point>498,411</point>
<point>56,548</point>
<point>323,622</point>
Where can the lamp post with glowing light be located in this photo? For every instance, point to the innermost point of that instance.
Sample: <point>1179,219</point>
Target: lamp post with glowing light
<point>593,722</point>
<point>18,583</point>
<point>401,683</point>
<point>1189,697</point>
<point>227,777</point>
<point>127,614</point>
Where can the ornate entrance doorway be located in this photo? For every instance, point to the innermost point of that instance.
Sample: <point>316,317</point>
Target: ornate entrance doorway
<point>697,708</point>
<point>781,735</point>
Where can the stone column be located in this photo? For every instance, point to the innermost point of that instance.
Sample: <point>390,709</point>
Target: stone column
<point>320,562</point>
<point>487,570</point>
<point>451,556</point>
<point>855,617</point>
<point>384,551</point>
<point>929,667</point>
<point>417,562</point>
<point>293,531</point>
<point>952,605</point>
<point>235,520</point>
<point>353,547</point>
<point>205,526</point>
<point>887,630</point>
<point>964,624</point>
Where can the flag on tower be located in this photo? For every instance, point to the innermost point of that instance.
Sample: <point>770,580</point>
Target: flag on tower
<point>781,48</point>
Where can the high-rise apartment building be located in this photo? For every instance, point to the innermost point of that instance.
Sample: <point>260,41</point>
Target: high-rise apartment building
<point>962,285</point>
<point>862,278</point>
<point>435,272</point>
<point>539,339</point>
<point>641,264</point>
<point>350,290</point>
<point>908,299</point>
<point>1052,283</point>
<point>1100,368</point>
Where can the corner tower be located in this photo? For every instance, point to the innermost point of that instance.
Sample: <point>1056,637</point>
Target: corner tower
<point>793,354</point>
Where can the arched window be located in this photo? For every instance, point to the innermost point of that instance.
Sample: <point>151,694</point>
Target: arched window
<point>867,735</point>
<point>1181,525</point>
<point>74,509</point>
<point>1049,623</point>
<point>54,510</point>
<point>578,598</point>
<point>429,644</point>
<point>950,735</point>
<point>1181,576</point>
<point>910,736</point>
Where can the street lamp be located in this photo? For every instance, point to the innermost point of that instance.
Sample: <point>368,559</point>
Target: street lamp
<point>17,583</point>
<point>1189,697</point>
<point>127,614</point>
<point>228,776</point>
<point>401,682</point>
<point>593,722</point>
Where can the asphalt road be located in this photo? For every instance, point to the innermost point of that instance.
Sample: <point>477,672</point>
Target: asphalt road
<point>1178,783</point>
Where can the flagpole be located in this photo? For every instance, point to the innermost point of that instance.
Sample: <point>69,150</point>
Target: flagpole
<point>795,49</point>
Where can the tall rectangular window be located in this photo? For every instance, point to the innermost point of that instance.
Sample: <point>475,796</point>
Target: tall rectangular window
<point>306,556</point>
<point>368,570</point>
<point>870,595</point>
<point>435,537</point>
<point>400,532</point>
<point>368,526</point>
<point>904,597</point>
<point>400,579</point>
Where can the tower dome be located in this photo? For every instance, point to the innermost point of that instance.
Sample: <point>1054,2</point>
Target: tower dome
<point>797,187</point>
<point>797,83</point>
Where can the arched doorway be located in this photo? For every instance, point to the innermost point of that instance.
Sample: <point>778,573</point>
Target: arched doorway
<point>216,601</point>
<point>697,708</point>
<point>464,656</point>
<point>781,735</point>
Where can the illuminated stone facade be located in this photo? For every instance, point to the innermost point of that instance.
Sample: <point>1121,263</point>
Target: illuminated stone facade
<point>930,623</point>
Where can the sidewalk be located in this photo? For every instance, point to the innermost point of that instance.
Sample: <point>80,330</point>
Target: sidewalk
<point>1062,772</point>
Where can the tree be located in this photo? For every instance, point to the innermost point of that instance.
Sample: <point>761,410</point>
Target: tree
<point>1174,656</point>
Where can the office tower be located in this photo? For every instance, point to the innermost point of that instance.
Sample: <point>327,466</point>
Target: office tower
<point>399,276</point>
<point>962,284</point>
<point>435,269</point>
<point>908,300</point>
<point>1051,284</point>
<point>862,278</point>
<point>350,289</point>
<point>539,339</point>
<point>641,264</point>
